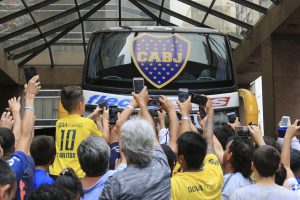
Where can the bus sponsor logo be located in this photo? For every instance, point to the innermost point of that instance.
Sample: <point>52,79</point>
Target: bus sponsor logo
<point>160,59</point>
<point>218,101</point>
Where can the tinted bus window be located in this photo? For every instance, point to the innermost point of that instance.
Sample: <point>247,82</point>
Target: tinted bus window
<point>113,58</point>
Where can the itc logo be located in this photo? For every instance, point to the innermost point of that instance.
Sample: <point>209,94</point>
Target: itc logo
<point>220,101</point>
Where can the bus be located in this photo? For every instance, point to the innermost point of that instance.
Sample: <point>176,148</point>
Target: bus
<point>168,58</point>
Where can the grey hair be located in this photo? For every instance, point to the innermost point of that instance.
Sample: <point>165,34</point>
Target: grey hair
<point>137,139</point>
<point>93,155</point>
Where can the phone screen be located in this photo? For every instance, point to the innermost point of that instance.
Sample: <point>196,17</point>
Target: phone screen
<point>113,114</point>
<point>202,112</point>
<point>199,99</point>
<point>284,121</point>
<point>102,104</point>
<point>29,73</point>
<point>138,85</point>
<point>231,117</point>
<point>183,94</point>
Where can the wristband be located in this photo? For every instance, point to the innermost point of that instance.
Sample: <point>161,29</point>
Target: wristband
<point>130,107</point>
<point>185,118</point>
<point>29,108</point>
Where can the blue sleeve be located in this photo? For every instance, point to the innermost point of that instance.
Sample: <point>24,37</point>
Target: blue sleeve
<point>18,162</point>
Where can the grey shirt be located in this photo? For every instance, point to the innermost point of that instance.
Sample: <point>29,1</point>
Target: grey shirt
<point>141,182</point>
<point>263,192</point>
<point>232,182</point>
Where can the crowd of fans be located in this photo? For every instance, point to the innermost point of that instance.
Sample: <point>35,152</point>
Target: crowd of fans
<point>141,156</point>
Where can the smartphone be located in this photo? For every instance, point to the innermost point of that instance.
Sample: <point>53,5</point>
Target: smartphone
<point>138,84</point>
<point>298,123</point>
<point>154,101</point>
<point>178,116</point>
<point>113,114</point>
<point>102,104</point>
<point>202,112</point>
<point>29,73</point>
<point>153,112</point>
<point>284,121</point>
<point>192,119</point>
<point>183,94</point>
<point>231,117</point>
<point>199,99</point>
<point>242,131</point>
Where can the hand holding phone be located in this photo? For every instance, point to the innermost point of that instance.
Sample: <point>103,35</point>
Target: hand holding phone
<point>242,131</point>
<point>138,84</point>
<point>113,114</point>
<point>29,73</point>
<point>183,94</point>
<point>199,99</point>
<point>102,104</point>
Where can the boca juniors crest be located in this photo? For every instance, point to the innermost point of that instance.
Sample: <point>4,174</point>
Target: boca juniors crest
<point>160,59</point>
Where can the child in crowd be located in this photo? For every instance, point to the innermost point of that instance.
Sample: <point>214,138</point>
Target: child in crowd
<point>42,150</point>
<point>71,131</point>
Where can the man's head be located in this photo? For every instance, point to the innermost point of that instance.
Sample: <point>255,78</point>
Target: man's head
<point>223,133</point>
<point>8,182</point>
<point>238,155</point>
<point>42,150</point>
<point>48,192</point>
<point>7,141</point>
<point>94,154</point>
<point>136,141</point>
<point>191,150</point>
<point>295,162</point>
<point>266,161</point>
<point>72,99</point>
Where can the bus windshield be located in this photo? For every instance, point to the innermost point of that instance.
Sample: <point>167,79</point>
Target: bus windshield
<point>166,60</point>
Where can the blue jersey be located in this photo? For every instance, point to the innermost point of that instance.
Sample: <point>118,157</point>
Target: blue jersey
<point>18,163</point>
<point>26,183</point>
<point>41,177</point>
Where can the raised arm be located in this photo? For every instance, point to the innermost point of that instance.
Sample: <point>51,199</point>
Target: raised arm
<point>29,117</point>
<point>142,100</point>
<point>185,109</point>
<point>208,130</point>
<point>103,120</point>
<point>168,106</point>
<point>291,132</point>
<point>14,107</point>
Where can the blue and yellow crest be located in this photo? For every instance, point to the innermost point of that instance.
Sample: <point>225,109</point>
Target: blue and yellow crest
<point>160,59</point>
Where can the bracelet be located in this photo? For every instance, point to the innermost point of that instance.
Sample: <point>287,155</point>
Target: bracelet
<point>29,108</point>
<point>130,107</point>
<point>185,118</point>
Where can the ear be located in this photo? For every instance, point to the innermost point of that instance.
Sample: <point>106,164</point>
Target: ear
<point>253,167</point>
<point>181,159</point>
<point>4,191</point>
<point>229,155</point>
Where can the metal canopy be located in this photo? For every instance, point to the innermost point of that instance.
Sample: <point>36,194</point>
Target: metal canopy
<point>50,29</point>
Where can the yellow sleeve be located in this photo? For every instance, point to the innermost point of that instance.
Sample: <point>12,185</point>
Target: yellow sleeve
<point>212,167</point>
<point>94,129</point>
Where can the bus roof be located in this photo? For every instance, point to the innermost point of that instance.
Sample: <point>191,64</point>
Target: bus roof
<point>158,29</point>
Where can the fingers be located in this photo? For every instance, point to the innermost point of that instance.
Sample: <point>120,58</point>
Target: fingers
<point>7,115</point>
<point>3,115</point>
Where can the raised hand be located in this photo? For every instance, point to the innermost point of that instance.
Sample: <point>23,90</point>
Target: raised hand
<point>256,134</point>
<point>166,104</point>
<point>185,107</point>
<point>33,87</point>
<point>141,98</point>
<point>14,104</point>
<point>6,120</point>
